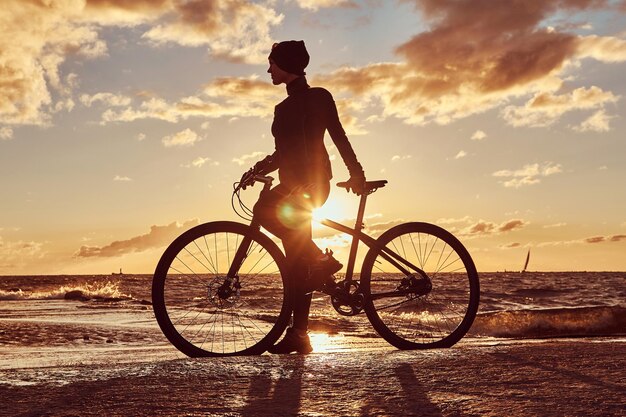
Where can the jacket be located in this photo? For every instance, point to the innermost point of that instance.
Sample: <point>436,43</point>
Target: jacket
<point>300,122</point>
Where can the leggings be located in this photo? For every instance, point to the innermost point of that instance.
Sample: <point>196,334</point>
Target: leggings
<point>286,213</point>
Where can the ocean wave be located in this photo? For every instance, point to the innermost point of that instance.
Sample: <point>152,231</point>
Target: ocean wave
<point>108,291</point>
<point>552,322</point>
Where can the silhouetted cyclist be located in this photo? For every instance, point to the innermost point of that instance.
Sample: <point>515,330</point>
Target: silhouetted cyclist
<point>304,171</point>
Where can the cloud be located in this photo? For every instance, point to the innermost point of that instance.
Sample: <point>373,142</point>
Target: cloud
<point>588,240</point>
<point>39,36</point>
<point>234,29</point>
<point>544,108</point>
<point>6,133</point>
<point>36,39</point>
<point>528,175</point>
<point>550,226</point>
<point>465,219</point>
<point>246,159</point>
<point>185,137</point>
<point>461,154</point>
<point>157,237</point>
<point>396,158</point>
<point>477,55</point>
<point>15,254</point>
<point>109,99</point>
<point>511,245</point>
<point>512,225</point>
<point>597,122</point>
<point>315,5</point>
<point>482,227</point>
<point>121,178</point>
<point>376,229</point>
<point>479,135</point>
<point>222,97</point>
<point>199,162</point>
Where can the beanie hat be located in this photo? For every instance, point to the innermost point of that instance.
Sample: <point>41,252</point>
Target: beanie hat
<point>290,56</point>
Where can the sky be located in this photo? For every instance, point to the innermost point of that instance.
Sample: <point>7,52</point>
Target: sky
<point>124,123</point>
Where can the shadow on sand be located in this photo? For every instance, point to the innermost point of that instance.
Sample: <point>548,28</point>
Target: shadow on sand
<point>280,398</point>
<point>403,395</point>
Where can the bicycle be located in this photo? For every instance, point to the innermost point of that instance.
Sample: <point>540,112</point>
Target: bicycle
<point>220,288</point>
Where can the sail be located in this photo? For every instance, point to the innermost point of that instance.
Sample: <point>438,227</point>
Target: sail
<point>527,259</point>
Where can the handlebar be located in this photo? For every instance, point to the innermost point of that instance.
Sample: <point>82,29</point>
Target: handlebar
<point>249,178</point>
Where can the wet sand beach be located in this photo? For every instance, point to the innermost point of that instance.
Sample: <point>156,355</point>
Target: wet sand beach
<point>534,350</point>
<point>565,377</point>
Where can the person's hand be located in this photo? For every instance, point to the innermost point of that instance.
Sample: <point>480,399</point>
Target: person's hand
<point>356,184</point>
<point>247,179</point>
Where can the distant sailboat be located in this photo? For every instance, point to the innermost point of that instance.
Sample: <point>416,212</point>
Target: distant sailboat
<point>526,263</point>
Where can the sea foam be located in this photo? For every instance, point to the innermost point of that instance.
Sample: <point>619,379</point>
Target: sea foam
<point>552,322</point>
<point>94,290</point>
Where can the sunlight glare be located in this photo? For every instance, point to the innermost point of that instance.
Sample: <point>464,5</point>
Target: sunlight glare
<point>333,209</point>
<point>323,342</point>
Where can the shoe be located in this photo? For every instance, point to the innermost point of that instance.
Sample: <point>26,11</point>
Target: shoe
<point>321,272</point>
<point>294,341</point>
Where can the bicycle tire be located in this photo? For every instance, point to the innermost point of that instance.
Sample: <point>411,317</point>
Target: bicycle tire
<point>186,281</point>
<point>438,319</point>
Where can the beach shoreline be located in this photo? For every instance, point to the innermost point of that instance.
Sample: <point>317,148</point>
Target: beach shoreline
<point>491,378</point>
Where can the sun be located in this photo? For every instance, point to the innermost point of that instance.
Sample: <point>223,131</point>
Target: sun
<point>334,209</point>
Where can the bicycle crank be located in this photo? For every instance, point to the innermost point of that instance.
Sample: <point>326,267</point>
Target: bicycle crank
<point>347,298</point>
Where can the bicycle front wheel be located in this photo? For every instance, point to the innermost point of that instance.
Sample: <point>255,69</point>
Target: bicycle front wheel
<point>432,306</point>
<point>204,312</point>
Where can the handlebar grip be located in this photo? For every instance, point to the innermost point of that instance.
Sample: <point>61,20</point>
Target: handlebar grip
<point>344,184</point>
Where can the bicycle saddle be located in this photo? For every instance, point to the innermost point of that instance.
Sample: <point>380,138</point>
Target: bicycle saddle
<point>370,186</point>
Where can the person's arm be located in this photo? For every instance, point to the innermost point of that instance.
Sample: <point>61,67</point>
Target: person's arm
<point>267,164</point>
<point>338,135</point>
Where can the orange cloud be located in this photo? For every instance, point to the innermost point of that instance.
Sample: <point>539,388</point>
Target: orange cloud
<point>320,4</point>
<point>528,175</point>
<point>16,254</point>
<point>511,225</point>
<point>157,237</point>
<point>234,29</point>
<point>590,240</point>
<point>222,97</point>
<point>512,245</point>
<point>37,37</point>
<point>545,108</point>
<point>483,227</point>
<point>478,55</point>
<point>185,137</point>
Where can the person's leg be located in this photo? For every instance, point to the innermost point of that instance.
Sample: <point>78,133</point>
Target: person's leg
<point>287,215</point>
<point>302,251</point>
<point>297,250</point>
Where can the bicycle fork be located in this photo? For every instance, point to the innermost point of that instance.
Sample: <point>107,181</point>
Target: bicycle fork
<point>231,281</point>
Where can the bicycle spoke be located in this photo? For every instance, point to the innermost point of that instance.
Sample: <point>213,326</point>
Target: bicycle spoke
<point>209,253</point>
<point>402,308</point>
<point>210,314</point>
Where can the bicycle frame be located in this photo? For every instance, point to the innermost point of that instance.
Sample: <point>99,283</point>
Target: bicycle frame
<point>356,233</point>
<point>358,236</point>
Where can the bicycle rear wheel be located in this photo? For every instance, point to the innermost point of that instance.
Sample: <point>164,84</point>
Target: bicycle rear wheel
<point>204,313</point>
<point>432,307</point>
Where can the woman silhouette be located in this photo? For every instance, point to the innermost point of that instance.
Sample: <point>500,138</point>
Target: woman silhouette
<point>304,171</point>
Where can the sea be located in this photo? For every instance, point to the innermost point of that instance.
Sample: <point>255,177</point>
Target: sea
<point>79,310</point>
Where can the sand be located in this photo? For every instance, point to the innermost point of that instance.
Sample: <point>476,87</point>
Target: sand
<point>558,377</point>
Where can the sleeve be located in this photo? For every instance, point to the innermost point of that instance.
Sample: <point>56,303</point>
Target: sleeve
<point>338,135</point>
<point>267,164</point>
